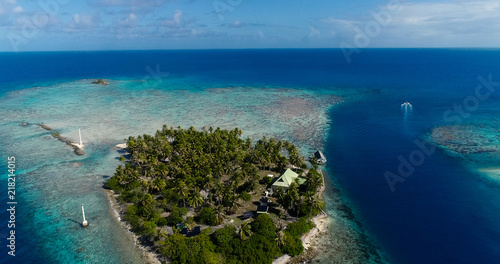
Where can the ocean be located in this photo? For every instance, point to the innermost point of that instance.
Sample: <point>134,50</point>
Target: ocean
<point>438,207</point>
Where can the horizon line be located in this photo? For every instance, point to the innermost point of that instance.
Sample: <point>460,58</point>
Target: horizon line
<point>220,49</point>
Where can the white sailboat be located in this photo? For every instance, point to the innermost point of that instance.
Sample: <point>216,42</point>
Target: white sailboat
<point>84,223</point>
<point>79,145</point>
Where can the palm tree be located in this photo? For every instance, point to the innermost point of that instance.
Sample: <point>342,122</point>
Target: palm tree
<point>280,238</point>
<point>281,163</point>
<point>219,192</point>
<point>157,184</point>
<point>190,223</point>
<point>313,181</point>
<point>163,170</point>
<point>281,216</point>
<point>314,203</point>
<point>245,231</point>
<point>144,184</point>
<point>220,214</point>
<point>280,197</point>
<point>209,183</point>
<point>235,181</point>
<point>293,195</point>
<point>235,204</point>
<point>294,157</point>
<point>140,158</point>
<point>148,206</point>
<point>160,234</point>
<point>134,174</point>
<point>182,190</point>
<point>195,199</point>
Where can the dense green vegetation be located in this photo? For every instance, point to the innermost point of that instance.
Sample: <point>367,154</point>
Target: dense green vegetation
<point>292,244</point>
<point>226,246</point>
<point>213,172</point>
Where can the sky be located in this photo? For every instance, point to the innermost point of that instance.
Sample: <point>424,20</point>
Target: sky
<point>47,25</point>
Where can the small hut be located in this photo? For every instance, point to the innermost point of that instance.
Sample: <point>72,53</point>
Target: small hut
<point>320,158</point>
<point>262,209</point>
<point>248,215</point>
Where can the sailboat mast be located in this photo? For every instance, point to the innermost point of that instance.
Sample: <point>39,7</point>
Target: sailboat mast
<point>84,223</point>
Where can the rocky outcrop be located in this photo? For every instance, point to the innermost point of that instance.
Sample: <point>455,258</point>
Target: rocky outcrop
<point>101,82</point>
<point>45,127</point>
<point>78,151</point>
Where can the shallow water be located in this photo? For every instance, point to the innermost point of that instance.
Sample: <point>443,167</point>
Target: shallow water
<point>54,181</point>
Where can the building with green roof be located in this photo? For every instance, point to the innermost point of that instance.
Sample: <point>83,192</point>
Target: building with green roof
<point>287,178</point>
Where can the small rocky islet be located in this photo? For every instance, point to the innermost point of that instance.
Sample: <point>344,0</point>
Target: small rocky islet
<point>101,82</point>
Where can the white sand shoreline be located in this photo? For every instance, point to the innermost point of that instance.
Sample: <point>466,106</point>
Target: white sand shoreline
<point>314,242</point>
<point>311,239</point>
<point>121,146</point>
<point>147,255</point>
<point>322,221</point>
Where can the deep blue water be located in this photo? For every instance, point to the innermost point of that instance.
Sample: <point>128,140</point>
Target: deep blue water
<point>442,213</point>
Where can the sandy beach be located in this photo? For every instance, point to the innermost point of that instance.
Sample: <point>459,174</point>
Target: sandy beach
<point>310,240</point>
<point>121,146</point>
<point>147,255</point>
<point>322,222</point>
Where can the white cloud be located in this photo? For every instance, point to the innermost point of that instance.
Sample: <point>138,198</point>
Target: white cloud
<point>261,35</point>
<point>135,6</point>
<point>18,9</point>
<point>444,13</point>
<point>132,3</point>
<point>445,24</point>
<point>314,33</point>
<point>9,7</point>
<point>470,23</point>
<point>129,21</point>
<point>175,21</point>
<point>175,27</point>
<point>344,22</point>
<point>82,22</point>
<point>235,24</point>
<point>178,17</point>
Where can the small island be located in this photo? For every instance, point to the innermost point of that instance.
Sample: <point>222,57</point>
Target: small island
<point>210,196</point>
<point>101,82</point>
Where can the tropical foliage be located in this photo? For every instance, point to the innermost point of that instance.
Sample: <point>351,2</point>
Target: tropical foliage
<point>292,244</point>
<point>225,245</point>
<point>212,172</point>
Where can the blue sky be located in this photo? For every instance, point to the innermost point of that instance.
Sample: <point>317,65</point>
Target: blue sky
<point>32,25</point>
